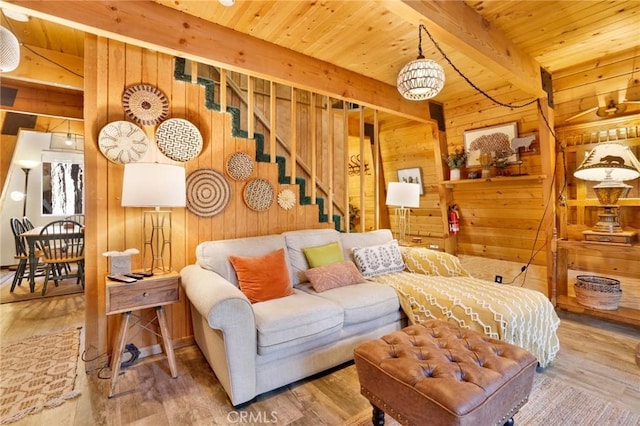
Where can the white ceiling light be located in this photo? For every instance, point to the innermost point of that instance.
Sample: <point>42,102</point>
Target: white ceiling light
<point>421,78</point>
<point>9,51</point>
<point>227,3</point>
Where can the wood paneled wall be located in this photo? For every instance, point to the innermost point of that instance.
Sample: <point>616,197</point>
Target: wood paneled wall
<point>111,67</point>
<point>501,219</point>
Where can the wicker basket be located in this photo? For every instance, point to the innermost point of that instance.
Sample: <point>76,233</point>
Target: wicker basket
<point>598,292</point>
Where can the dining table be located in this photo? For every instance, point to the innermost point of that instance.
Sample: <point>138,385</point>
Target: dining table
<point>32,237</point>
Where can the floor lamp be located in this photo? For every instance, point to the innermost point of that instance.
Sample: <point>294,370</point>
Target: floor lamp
<point>159,186</point>
<point>403,196</point>
<point>26,166</point>
<point>611,164</point>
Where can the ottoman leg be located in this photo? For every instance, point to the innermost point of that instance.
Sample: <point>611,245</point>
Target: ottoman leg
<point>377,417</point>
<point>510,422</point>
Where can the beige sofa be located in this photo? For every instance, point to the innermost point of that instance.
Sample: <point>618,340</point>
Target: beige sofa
<point>254,348</point>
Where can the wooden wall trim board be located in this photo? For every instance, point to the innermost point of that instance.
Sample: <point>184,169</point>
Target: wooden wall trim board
<point>190,37</point>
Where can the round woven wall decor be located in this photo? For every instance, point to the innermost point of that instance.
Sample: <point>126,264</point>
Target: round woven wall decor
<point>239,166</point>
<point>286,199</point>
<point>145,104</point>
<point>208,192</point>
<point>122,142</point>
<point>258,194</point>
<point>178,139</point>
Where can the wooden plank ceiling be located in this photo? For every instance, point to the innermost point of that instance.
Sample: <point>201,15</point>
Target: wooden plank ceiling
<point>498,45</point>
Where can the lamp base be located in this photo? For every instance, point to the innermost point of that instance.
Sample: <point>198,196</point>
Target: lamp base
<point>156,251</point>
<point>622,238</point>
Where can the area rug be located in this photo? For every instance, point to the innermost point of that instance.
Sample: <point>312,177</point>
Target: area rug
<point>22,293</point>
<point>38,372</point>
<point>551,402</point>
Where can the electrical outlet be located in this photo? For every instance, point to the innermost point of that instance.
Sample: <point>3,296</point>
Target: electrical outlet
<point>498,279</point>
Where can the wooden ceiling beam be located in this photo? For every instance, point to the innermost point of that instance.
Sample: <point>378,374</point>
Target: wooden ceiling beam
<point>460,28</point>
<point>199,40</point>
<point>48,67</point>
<point>44,100</point>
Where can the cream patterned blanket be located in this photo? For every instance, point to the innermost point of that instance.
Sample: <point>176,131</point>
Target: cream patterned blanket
<point>434,285</point>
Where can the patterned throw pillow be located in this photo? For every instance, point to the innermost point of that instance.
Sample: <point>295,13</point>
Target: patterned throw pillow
<point>379,259</point>
<point>334,275</point>
<point>432,262</point>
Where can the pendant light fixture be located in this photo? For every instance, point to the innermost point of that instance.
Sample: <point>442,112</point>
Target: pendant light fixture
<point>9,51</point>
<point>421,78</point>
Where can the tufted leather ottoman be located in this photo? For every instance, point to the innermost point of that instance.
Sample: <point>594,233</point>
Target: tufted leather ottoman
<point>436,373</point>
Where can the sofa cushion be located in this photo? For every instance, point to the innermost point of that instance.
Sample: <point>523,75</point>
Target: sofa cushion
<point>214,255</point>
<point>361,303</point>
<point>263,278</point>
<point>301,319</point>
<point>363,239</point>
<point>324,254</point>
<point>379,260</point>
<point>334,275</point>
<point>298,240</point>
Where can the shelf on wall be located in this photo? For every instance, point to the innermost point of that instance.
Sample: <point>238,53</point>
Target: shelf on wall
<point>622,314</point>
<point>496,179</point>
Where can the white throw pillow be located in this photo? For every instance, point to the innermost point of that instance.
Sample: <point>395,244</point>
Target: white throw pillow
<point>379,259</point>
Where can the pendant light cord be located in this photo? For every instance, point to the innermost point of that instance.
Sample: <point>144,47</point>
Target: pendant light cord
<point>444,55</point>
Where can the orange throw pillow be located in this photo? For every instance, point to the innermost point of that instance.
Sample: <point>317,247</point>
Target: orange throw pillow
<point>263,278</point>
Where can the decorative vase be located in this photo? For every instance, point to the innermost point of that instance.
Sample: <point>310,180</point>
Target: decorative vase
<point>454,174</point>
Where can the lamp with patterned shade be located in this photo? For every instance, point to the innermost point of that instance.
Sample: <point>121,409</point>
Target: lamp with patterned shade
<point>9,51</point>
<point>155,185</point>
<point>611,163</point>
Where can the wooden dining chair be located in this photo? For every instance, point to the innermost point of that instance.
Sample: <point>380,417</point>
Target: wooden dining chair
<point>62,245</point>
<point>22,256</point>
<point>28,225</point>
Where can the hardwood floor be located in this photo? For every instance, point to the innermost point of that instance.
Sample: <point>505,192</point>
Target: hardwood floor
<point>595,356</point>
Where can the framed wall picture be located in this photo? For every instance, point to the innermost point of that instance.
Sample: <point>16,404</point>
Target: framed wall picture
<point>494,141</point>
<point>413,175</point>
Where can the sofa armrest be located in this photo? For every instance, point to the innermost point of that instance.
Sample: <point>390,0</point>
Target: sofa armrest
<point>227,309</point>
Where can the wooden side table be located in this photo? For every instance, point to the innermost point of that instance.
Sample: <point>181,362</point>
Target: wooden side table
<point>151,292</point>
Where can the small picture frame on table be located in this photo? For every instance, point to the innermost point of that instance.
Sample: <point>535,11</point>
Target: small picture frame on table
<point>412,175</point>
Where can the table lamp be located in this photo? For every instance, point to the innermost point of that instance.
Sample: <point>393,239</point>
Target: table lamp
<point>155,185</point>
<point>610,163</point>
<point>403,195</point>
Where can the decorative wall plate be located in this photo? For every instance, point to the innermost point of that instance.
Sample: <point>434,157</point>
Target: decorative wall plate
<point>208,192</point>
<point>178,139</point>
<point>286,199</point>
<point>145,104</point>
<point>258,194</point>
<point>122,142</point>
<point>239,166</point>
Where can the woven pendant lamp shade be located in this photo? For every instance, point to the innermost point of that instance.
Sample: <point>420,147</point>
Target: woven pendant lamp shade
<point>9,51</point>
<point>420,79</point>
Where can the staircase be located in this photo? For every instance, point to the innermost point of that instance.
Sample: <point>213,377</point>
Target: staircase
<point>259,139</point>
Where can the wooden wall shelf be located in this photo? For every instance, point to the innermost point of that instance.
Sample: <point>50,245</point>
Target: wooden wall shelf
<point>496,179</point>
<point>622,314</point>
<point>561,285</point>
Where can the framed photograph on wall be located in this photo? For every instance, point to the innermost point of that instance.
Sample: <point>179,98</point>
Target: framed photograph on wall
<point>493,140</point>
<point>413,175</point>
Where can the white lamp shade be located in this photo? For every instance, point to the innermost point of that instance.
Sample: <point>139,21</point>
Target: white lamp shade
<point>609,161</point>
<point>403,194</point>
<point>153,185</point>
<point>9,51</point>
